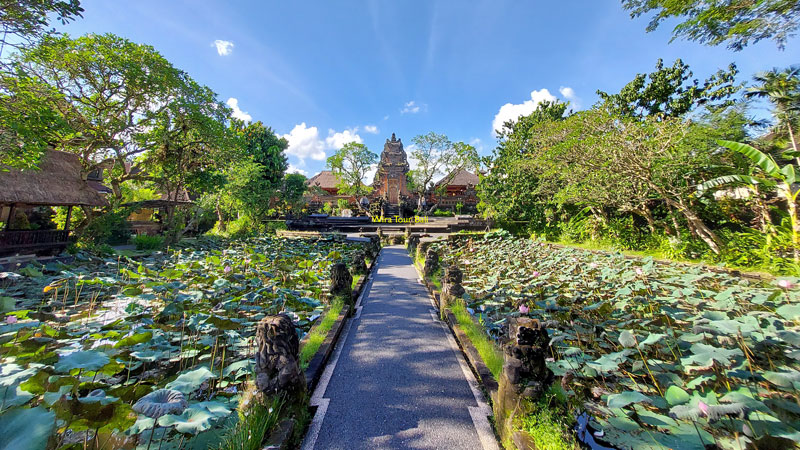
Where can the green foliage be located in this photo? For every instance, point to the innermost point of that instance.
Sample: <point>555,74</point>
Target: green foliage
<point>107,228</point>
<point>251,430</point>
<point>145,242</point>
<point>350,164</point>
<point>738,23</point>
<point>29,20</point>
<point>669,91</point>
<point>547,422</point>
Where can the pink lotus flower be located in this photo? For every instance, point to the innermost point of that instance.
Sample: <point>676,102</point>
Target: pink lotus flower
<point>703,408</point>
<point>524,309</point>
<point>785,284</point>
<point>228,269</point>
<point>638,271</point>
<point>593,265</point>
<point>11,319</point>
<point>535,273</point>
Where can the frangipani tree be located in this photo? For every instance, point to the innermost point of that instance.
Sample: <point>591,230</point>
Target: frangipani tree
<point>782,179</point>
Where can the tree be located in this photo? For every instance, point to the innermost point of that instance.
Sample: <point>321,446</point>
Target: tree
<point>105,93</point>
<point>350,164</point>
<point>669,91</point>
<point>437,155</point>
<point>294,186</point>
<point>186,143</point>
<point>267,149</point>
<point>782,89</point>
<point>27,20</point>
<point>738,23</point>
<point>509,191</point>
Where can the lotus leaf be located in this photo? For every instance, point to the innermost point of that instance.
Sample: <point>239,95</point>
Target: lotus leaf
<point>626,398</point>
<point>190,381</point>
<point>161,402</point>
<point>26,428</point>
<point>84,360</point>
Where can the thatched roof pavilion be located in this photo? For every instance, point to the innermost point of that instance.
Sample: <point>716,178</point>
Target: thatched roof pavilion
<point>56,182</point>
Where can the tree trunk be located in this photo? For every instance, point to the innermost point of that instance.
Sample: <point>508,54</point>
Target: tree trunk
<point>675,223</point>
<point>793,219</point>
<point>698,227</point>
<point>794,142</point>
<point>222,226</point>
<point>645,212</point>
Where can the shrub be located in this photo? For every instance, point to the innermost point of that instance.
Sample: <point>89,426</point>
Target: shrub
<point>275,225</point>
<point>145,242</point>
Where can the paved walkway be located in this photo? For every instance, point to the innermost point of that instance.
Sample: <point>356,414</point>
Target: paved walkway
<point>397,379</point>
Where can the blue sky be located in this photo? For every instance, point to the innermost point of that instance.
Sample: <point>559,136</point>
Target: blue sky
<point>324,73</point>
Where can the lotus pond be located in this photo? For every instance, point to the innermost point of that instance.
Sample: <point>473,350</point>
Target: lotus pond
<point>660,356</point>
<point>81,343</point>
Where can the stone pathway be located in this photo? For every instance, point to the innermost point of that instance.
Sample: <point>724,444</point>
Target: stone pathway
<point>397,379</point>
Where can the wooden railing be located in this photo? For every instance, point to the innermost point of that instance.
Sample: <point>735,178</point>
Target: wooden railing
<point>29,239</point>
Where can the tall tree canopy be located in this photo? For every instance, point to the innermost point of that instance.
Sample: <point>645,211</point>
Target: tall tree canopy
<point>670,91</point>
<point>737,23</point>
<point>436,156</point>
<point>109,98</point>
<point>27,20</point>
<point>351,164</point>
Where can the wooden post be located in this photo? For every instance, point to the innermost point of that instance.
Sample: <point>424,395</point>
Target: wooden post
<point>10,217</point>
<point>69,217</point>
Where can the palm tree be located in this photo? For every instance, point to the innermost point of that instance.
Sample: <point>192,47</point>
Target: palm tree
<point>782,89</point>
<point>772,176</point>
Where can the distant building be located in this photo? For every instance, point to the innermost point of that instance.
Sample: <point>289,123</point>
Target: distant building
<point>391,184</point>
<point>457,187</point>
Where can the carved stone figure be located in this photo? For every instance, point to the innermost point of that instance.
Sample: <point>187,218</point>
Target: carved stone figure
<point>452,282</point>
<point>359,264</point>
<point>341,281</point>
<point>525,373</point>
<point>277,365</point>
<point>431,263</point>
<point>412,243</point>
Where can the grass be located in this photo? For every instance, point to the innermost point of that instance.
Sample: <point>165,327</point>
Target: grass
<point>252,428</point>
<point>545,422</point>
<point>355,281</point>
<point>318,333</point>
<point>491,355</point>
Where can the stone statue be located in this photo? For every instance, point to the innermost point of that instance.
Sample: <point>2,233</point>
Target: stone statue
<point>277,365</point>
<point>341,282</point>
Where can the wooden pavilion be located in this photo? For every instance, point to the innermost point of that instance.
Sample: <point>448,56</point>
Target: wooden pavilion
<point>56,182</point>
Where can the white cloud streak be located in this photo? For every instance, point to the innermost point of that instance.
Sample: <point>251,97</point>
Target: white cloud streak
<point>412,107</point>
<point>371,129</point>
<point>224,48</point>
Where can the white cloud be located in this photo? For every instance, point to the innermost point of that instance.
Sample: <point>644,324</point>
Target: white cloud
<point>385,117</point>
<point>224,48</point>
<point>293,169</point>
<point>477,143</point>
<point>512,112</point>
<point>304,142</point>
<point>569,94</point>
<point>371,129</point>
<point>336,140</point>
<point>233,103</point>
<point>370,174</point>
<point>411,108</point>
